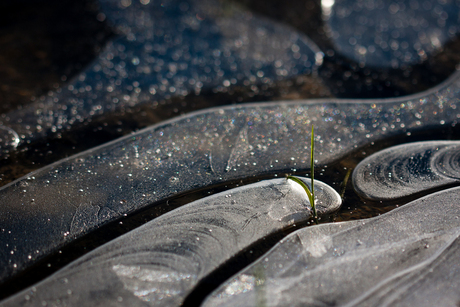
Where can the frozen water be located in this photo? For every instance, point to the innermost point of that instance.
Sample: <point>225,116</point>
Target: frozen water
<point>163,260</point>
<point>165,49</point>
<point>68,199</point>
<point>407,257</point>
<point>59,203</point>
<point>408,169</point>
<point>391,34</point>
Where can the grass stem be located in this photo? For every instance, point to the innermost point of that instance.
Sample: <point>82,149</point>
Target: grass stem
<point>345,182</point>
<point>310,193</point>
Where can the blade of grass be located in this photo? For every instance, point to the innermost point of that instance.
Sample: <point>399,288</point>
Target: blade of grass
<point>310,194</point>
<point>345,182</point>
<point>304,186</point>
<point>312,170</point>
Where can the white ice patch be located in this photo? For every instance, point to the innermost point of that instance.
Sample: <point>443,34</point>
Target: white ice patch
<point>318,245</point>
<point>152,285</point>
<point>241,284</point>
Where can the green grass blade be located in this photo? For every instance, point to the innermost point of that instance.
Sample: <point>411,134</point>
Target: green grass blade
<point>312,167</point>
<point>303,185</point>
<point>310,193</point>
<point>345,182</point>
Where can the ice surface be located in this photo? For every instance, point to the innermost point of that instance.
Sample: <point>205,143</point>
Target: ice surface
<point>391,34</point>
<point>408,169</point>
<point>407,257</point>
<point>159,263</point>
<point>52,206</point>
<point>165,49</point>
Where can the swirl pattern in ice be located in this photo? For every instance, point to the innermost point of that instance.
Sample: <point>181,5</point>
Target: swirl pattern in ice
<point>407,257</point>
<point>390,34</point>
<point>165,49</point>
<point>408,169</point>
<point>163,260</point>
<point>68,199</point>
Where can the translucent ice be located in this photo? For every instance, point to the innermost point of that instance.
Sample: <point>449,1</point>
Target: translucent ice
<point>163,260</point>
<point>407,257</point>
<point>408,169</point>
<point>68,199</point>
<point>165,49</point>
<point>391,34</point>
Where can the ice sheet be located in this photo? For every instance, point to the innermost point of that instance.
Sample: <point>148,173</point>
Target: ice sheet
<point>54,205</point>
<point>159,263</point>
<point>390,34</point>
<point>166,49</point>
<point>407,257</point>
<point>407,169</point>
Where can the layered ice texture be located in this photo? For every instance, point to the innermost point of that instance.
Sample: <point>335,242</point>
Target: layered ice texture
<point>161,262</point>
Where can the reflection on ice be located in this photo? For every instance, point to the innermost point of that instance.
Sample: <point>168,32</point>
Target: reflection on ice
<point>151,285</point>
<point>242,284</point>
<point>8,138</point>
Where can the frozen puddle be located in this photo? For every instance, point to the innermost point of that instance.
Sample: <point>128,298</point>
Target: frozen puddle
<point>66,200</point>
<point>390,34</point>
<point>407,257</point>
<point>163,260</point>
<point>167,49</point>
<point>408,169</point>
